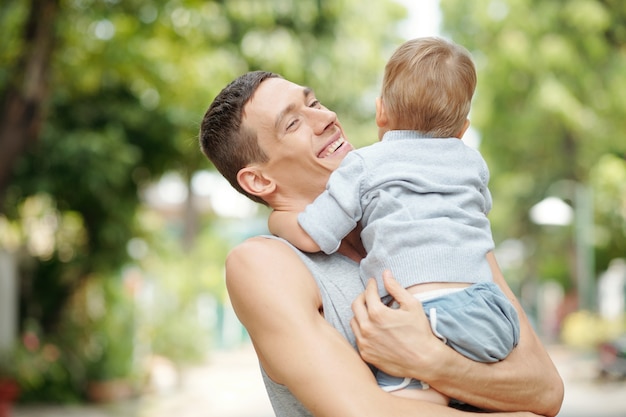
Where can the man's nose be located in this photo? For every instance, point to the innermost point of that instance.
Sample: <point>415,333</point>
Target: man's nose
<point>323,119</point>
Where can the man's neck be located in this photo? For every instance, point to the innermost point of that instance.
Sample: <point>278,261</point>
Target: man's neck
<point>288,199</point>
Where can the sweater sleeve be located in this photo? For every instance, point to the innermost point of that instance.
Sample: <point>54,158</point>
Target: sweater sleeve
<point>484,190</point>
<point>336,211</point>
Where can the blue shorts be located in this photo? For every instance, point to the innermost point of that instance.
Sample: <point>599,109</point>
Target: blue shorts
<point>479,322</point>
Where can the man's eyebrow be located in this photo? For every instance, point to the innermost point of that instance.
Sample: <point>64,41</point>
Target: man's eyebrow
<point>306,92</point>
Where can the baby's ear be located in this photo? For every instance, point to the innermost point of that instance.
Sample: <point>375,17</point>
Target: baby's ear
<point>466,126</point>
<point>381,115</point>
<point>253,181</point>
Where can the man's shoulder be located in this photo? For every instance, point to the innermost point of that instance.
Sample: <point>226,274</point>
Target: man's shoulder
<point>259,266</point>
<point>264,252</point>
<point>259,246</point>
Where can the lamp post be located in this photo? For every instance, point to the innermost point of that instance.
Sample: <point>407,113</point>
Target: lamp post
<point>555,212</point>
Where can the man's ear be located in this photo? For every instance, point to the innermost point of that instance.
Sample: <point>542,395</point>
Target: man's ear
<point>253,181</point>
<point>381,115</point>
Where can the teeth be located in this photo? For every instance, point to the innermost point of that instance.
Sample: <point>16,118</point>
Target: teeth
<point>333,146</point>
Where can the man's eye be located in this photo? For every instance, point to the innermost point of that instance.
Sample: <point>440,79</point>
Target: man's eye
<point>315,104</point>
<point>292,124</point>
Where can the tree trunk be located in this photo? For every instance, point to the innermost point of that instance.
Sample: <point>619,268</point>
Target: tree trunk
<point>22,110</point>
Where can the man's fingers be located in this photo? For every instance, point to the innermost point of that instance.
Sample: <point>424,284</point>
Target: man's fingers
<point>371,293</point>
<point>359,308</point>
<point>361,315</point>
<point>401,295</point>
<point>356,329</point>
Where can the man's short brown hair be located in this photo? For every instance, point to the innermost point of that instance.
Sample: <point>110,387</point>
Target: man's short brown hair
<point>223,137</point>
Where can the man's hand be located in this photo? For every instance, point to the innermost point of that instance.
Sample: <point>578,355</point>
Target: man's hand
<point>392,339</point>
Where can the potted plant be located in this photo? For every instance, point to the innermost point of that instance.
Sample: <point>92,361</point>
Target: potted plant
<point>9,386</point>
<point>110,347</point>
<point>110,374</point>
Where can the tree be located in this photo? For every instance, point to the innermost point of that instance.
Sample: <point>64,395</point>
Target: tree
<point>124,86</point>
<point>26,88</point>
<point>549,107</point>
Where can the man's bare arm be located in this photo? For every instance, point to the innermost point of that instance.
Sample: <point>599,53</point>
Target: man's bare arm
<point>277,300</point>
<point>526,380</point>
<point>528,371</point>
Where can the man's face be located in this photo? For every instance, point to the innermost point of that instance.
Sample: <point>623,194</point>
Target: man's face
<point>303,140</point>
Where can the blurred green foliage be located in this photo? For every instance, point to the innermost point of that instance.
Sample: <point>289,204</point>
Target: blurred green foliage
<point>129,82</point>
<point>550,107</point>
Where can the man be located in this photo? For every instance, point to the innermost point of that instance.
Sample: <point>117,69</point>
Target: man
<point>275,142</point>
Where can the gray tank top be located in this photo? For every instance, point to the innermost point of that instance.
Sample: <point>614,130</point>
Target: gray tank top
<point>338,280</point>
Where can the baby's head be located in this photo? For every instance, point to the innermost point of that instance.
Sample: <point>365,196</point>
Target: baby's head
<point>428,87</point>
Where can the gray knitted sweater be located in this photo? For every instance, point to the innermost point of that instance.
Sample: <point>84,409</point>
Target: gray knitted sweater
<point>422,203</point>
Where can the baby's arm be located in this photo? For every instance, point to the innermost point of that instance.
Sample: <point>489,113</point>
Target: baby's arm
<point>323,223</point>
<point>285,224</point>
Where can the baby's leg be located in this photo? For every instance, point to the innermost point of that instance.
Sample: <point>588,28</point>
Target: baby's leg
<point>429,395</point>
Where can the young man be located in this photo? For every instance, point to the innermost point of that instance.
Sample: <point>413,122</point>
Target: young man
<point>275,142</point>
<point>421,197</point>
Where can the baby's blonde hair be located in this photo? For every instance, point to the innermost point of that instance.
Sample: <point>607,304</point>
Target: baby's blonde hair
<point>428,86</point>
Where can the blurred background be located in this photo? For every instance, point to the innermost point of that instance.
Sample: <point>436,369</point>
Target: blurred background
<point>114,227</point>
